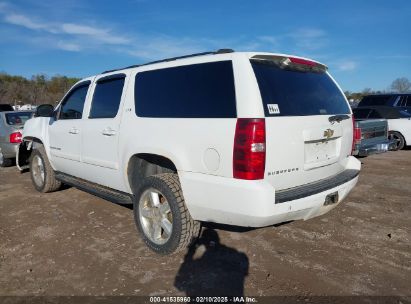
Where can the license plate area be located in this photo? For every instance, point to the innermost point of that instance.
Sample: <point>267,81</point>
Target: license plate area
<point>331,198</point>
<point>321,153</point>
<point>321,150</point>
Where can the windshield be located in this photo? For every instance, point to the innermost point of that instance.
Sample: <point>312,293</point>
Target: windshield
<point>18,118</point>
<point>287,92</point>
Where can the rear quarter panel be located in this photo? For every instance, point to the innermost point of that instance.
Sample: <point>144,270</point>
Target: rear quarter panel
<point>402,125</point>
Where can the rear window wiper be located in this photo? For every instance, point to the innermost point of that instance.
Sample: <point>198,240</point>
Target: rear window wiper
<point>338,118</point>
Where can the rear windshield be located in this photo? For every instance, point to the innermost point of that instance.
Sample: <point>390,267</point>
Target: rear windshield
<point>288,92</point>
<point>380,100</point>
<point>18,118</point>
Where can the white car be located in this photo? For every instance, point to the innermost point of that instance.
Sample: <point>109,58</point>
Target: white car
<point>247,139</point>
<point>400,130</point>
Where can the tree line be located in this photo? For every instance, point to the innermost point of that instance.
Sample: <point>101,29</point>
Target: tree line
<point>39,89</point>
<point>399,85</point>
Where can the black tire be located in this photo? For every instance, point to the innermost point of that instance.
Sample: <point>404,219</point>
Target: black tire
<point>48,183</point>
<point>185,230</point>
<point>394,135</point>
<point>5,162</point>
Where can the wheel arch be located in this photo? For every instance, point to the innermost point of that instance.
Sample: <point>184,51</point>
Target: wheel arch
<point>141,165</point>
<point>25,149</point>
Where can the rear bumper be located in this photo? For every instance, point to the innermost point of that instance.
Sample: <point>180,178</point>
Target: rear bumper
<point>253,203</point>
<point>382,147</point>
<point>8,150</point>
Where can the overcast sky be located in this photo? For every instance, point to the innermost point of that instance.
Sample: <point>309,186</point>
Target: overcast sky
<point>364,43</point>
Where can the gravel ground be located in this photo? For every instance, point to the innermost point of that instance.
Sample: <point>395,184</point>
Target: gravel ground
<point>73,243</point>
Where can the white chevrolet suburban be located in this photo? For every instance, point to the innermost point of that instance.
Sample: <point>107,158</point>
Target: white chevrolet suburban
<point>247,139</point>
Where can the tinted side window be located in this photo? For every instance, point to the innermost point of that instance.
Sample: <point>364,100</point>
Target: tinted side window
<point>402,101</point>
<point>195,91</point>
<point>374,114</point>
<point>376,100</point>
<point>6,107</point>
<point>107,97</point>
<point>72,106</point>
<point>361,113</point>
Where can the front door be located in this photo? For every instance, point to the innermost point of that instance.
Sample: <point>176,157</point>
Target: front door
<point>65,131</point>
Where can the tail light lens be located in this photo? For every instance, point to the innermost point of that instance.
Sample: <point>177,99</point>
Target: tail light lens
<point>15,138</point>
<point>249,149</point>
<point>356,135</point>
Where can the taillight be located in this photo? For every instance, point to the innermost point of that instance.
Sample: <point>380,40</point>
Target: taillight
<point>356,135</point>
<point>15,138</point>
<point>249,149</point>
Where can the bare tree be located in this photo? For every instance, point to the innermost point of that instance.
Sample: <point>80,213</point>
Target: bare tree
<point>367,91</point>
<point>401,85</point>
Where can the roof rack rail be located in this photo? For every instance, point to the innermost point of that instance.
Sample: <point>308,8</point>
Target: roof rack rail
<point>220,51</point>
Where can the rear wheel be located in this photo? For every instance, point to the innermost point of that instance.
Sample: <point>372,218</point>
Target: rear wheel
<point>400,140</point>
<point>42,174</point>
<point>161,215</point>
<point>5,162</point>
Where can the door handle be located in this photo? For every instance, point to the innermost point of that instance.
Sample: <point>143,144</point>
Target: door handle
<point>74,131</point>
<point>108,132</point>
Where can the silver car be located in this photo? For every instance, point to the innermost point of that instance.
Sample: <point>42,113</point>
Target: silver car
<point>11,126</point>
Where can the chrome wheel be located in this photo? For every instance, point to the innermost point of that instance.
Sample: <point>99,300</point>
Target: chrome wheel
<point>399,144</point>
<point>396,139</point>
<point>155,216</point>
<point>1,159</point>
<point>38,170</point>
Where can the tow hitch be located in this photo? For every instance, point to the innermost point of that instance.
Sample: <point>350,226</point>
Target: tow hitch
<point>331,198</point>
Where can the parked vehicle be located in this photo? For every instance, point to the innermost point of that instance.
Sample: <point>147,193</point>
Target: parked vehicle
<point>6,107</point>
<point>402,101</point>
<point>371,137</point>
<point>399,123</point>
<point>247,139</point>
<point>400,131</point>
<point>11,125</point>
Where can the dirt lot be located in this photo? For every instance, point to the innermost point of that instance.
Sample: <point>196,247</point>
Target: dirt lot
<point>72,243</point>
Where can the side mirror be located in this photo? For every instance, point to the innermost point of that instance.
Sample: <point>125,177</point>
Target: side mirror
<point>45,110</point>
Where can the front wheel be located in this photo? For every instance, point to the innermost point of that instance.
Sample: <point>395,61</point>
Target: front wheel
<point>42,174</point>
<point>399,140</point>
<point>161,215</point>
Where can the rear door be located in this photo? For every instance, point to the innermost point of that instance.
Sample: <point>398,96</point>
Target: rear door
<point>101,135</point>
<point>308,121</point>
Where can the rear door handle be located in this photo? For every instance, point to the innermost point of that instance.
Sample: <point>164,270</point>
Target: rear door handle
<point>74,131</point>
<point>108,132</point>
